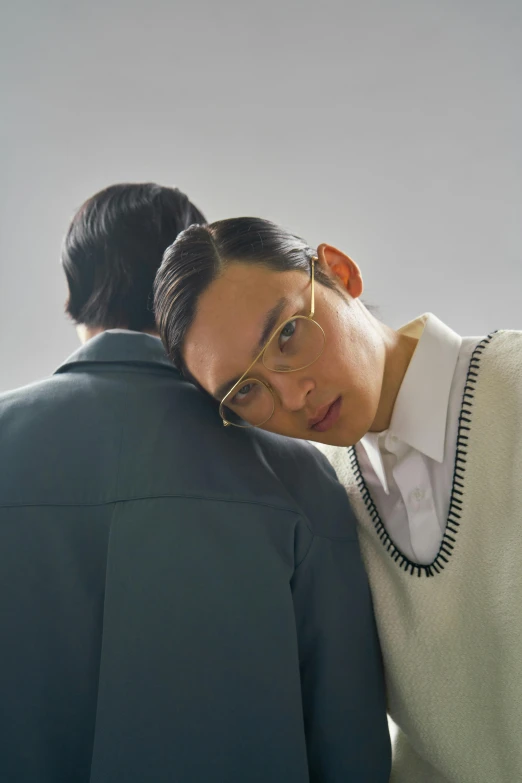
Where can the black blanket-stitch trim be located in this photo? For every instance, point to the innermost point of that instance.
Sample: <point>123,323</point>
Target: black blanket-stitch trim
<point>455,509</point>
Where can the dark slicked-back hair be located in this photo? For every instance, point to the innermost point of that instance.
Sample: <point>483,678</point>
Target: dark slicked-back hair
<point>199,256</point>
<point>113,249</point>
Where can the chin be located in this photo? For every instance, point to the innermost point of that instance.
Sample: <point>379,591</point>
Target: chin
<point>339,435</point>
<point>330,438</point>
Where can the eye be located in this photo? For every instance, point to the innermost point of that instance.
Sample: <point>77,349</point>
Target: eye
<point>286,333</point>
<point>242,393</point>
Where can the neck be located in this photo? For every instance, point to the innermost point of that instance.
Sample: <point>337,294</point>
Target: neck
<point>86,333</point>
<point>398,352</point>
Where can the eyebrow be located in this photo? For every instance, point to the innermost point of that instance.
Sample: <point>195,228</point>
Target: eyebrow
<point>271,319</point>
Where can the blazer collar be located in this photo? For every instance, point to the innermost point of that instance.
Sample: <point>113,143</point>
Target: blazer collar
<point>120,347</point>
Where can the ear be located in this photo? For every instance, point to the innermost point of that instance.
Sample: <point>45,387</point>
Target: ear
<point>342,268</point>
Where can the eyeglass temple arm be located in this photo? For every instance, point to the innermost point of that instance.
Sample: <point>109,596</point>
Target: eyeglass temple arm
<point>312,305</point>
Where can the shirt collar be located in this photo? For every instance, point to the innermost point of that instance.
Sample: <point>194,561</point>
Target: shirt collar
<point>372,442</point>
<point>120,346</point>
<point>421,408</point>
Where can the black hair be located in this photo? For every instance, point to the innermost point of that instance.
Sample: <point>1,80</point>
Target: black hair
<point>198,257</point>
<point>113,249</point>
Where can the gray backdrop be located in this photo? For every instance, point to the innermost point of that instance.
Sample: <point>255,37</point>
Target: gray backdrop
<point>392,129</point>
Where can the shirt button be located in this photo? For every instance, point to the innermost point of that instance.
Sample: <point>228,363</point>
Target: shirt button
<point>417,494</point>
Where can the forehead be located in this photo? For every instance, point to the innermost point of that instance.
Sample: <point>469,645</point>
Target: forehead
<point>230,318</point>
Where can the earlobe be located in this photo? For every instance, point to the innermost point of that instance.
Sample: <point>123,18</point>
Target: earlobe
<point>342,267</point>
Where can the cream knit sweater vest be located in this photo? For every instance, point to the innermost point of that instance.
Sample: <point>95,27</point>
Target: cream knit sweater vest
<point>451,632</point>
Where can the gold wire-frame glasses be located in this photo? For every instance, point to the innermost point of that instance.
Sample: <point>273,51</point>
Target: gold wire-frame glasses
<point>244,380</point>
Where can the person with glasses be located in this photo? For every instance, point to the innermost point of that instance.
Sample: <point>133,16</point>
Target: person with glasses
<point>424,429</point>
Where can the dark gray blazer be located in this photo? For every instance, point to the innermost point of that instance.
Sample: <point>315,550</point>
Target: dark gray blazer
<point>179,603</point>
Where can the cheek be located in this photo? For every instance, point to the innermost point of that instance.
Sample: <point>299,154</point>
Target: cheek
<point>288,424</point>
<point>366,374</point>
<point>359,368</point>
<point>285,424</point>
<point>356,356</point>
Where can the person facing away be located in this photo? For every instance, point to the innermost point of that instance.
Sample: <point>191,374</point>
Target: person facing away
<point>178,603</point>
<point>424,429</point>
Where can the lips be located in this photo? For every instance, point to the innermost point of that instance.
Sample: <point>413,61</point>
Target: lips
<point>326,416</point>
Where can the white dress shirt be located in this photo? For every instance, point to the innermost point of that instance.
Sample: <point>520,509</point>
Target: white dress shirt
<point>408,468</point>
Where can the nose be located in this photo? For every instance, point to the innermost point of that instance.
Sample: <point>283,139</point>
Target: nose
<point>292,390</point>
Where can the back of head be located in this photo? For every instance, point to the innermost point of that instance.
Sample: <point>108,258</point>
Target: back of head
<point>113,249</point>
